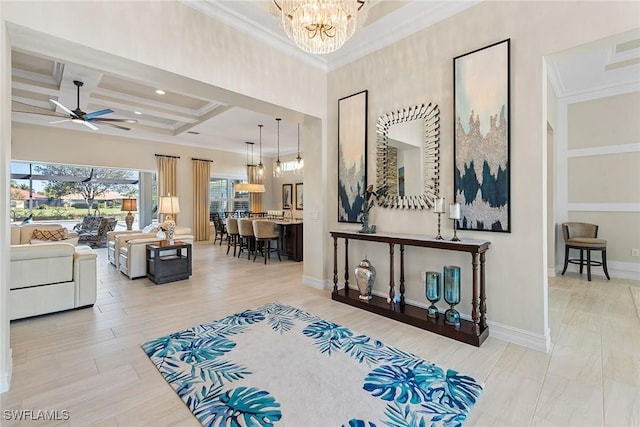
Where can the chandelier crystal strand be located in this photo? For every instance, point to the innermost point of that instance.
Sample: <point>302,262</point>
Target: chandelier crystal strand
<point>277,170</point>
<point>260,165</point>
<point>321,26</point>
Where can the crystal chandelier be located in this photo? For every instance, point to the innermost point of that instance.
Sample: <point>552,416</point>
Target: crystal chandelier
<point>320,26</point>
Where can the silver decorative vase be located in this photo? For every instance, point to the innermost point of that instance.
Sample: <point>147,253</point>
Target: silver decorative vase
<point>365,276</point>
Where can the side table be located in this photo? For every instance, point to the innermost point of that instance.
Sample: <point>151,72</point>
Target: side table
<point>168,262</point>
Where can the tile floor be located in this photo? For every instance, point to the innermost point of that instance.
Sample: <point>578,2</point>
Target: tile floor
<point>89,361</point>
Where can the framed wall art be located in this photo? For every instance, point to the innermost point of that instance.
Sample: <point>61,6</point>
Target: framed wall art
<point>352,156</point>
<point>287,196</point>
<point>299,204</point>
<point>482,137</point>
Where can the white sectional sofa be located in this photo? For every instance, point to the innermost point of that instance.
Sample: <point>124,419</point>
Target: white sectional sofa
<point>49,277</point>
<point>127,250</point>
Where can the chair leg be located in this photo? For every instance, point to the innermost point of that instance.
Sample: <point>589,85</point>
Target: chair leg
<point>255,253</point>
<point>566,259</point>
<point>604,263</point>
<point>267,251</point>
<point>228,246</point>
<point>589,264</point>
<point>235,243</point>
<point>581,260</point>
<point>278,249</point>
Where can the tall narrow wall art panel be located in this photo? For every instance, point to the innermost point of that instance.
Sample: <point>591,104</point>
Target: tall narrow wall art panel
<point>352,156</point>
<point>481,138</point>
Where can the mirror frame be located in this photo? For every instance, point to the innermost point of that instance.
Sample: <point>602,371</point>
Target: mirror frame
<point>431,157</point>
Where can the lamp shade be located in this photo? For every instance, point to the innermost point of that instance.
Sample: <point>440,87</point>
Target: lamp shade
<point>169,205</point>
<point>129,205</point>
<point>250,188</point>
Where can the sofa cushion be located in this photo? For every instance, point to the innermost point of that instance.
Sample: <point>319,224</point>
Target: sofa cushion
<point>52,234</point>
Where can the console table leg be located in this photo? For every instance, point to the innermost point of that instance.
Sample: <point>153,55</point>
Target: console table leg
<point>392,285</point>
<point>474,301</point>
<point>335,265</point>
<point>346,266</point>
<point>483,296</point>
<point>401,275</point>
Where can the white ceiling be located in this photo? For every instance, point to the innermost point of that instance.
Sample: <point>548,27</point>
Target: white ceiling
<point>174,116</point>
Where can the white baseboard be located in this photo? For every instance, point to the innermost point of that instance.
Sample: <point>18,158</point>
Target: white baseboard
<point>521,337</point>
<point>323,285</point>
<point>5,377</point>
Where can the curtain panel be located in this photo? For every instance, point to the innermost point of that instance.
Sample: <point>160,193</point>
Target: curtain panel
<point>201,177</point>
<point>167,179</point>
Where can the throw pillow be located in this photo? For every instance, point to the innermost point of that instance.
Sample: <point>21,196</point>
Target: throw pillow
<point>53,234</point>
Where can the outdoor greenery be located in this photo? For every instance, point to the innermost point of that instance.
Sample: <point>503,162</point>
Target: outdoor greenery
<point>91,183</point>
<point>46,213</point>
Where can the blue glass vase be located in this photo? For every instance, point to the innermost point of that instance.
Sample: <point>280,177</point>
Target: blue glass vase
<point>452,294</point>
<point>432,292</point>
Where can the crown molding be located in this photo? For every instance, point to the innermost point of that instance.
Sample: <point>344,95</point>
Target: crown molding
<point>249,26</point>
<point>415,16</point>
<point>405,21</point>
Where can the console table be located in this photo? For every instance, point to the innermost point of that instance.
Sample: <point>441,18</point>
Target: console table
<point>472,332</point>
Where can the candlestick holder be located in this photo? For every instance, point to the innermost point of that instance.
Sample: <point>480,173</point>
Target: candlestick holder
<point>454,214</point>
<point>438,207</point>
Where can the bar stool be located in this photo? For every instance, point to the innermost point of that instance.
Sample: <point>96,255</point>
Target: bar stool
<point>584,237</point>
<point>232,234</point>
<point>264,232</point>
<point>247,241</point>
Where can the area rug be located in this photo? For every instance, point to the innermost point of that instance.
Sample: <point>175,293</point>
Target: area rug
<point>279,365</point>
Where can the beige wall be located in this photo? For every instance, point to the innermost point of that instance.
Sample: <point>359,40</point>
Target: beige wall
<point>419,69</point>
<point>602,179</point>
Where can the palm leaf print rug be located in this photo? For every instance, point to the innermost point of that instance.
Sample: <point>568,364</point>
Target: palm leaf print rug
<point>279,365</point>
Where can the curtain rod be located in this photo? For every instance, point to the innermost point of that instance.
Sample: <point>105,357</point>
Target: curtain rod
<point>202,160</point>
<point>164,155</point>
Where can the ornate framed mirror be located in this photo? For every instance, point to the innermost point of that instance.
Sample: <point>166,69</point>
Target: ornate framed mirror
<point>408,157</point>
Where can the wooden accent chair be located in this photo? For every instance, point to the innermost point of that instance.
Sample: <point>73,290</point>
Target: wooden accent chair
<point>584,237</point>
<point>265,232</point>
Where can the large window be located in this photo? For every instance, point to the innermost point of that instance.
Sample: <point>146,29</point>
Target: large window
<point>44,192</point>
<point>224,198</point>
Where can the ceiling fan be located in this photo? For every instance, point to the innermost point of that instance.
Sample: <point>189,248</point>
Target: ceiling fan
<point>79,116</point>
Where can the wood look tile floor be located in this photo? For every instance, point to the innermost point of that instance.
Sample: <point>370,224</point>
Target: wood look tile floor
<point>90,363</point>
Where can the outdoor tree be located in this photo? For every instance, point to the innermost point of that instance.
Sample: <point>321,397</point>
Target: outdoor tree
<point>19,186</point>
<point>89,183</point>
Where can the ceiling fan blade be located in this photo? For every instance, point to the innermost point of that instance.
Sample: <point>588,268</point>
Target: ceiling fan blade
<point>115,126</point>
<point>98,113</point>
<point>59,121</point>
<point>89,125</point>
<point>116,120</point>
<point>71,113</point>
<point>40,114</point>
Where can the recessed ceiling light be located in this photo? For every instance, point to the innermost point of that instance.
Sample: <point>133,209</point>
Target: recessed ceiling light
<point>137,112</point>
<point>160,92</point>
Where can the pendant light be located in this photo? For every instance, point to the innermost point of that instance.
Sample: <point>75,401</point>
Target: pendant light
<point>299,161</point>
<point>277,171</point>
<point>245,186</point>
<point>260,165</point>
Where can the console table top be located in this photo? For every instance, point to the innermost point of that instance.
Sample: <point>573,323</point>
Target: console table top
<point>463,245</point>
